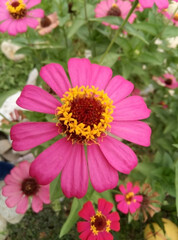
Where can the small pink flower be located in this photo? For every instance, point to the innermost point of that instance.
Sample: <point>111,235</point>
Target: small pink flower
<point>15,15</point>
<point>92,104</point>
<point>111,8</point>
<point>169,81</point>
<point>128,201</point>
<point>20,186</point>
<point>47,23</point>
<point>98,224</point>
<point>161,4</point>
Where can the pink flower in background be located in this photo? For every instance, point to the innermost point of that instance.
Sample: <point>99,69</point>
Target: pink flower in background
<point>168,80</point>
<point>20,186</point>
<point>161,4</point>
<point>47,23</point>
<point>128,201</point>
<point>138,8</point>
<point>111,8</point>
<point>168,15</point>
<point>15,15</point>
<point>98,224</point>
<point>92,104</point>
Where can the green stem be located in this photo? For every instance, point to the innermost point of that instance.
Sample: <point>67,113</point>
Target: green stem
<point>65,37</point>
<point>118,31</point>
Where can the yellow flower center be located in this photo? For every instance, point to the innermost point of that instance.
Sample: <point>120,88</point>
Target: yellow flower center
<point>99,223</point>
<point>138,5</point>
<point>16,8</point>
<point>176,17</point>
<point>85,114</point>
<point>129,198</point>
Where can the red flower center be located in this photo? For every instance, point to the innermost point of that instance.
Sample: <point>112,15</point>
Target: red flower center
<point>45,22</point>
<point>114,11</point>
<point>168,81</point>
<point>15,4</point>
<point>100,223</point>
<point>30,186</point>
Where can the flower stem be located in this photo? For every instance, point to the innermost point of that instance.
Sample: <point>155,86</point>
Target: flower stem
<point>118,31</point>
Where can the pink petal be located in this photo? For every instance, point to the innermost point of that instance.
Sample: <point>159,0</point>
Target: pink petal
<point>87,211</point>
<point>83,226</point>
<point>24,168</point>
<point>119,197</point>
<point>44,194</point>
<point>119,88</point>
<point>17,174</point>
<point>47,166</point>
<point>133,131</point>
<point>74,177</point>
<point>10,180</point>
<point>21,26</point>
<point>36,99</point>
<point>4,15</point>
<point>129,187</point>
<point>139,198</point>
<point>104,206</point>
<point>122,189</point>
<point>123,207</point>
<point>131,108</point>
<point>37,204</point>
<point>136,189</point>
<point>102,175</point>
<point>36,13</point>
<point>4,25</point>
<point>162,3</point>
<point>106,236</point>
<point>22,205</point>
<point>32,3</point>
<point>54,75</point>
<point>83,73</point>
<point>146,3</point>
<point>115,226</point>
<point>12,201</point>
<point>85,235</point>
<point>114,216</point>
<point>28,135</point>
<point>31,22</point>
<point>133,207</point>
<point>119,155</point>
<point>10,190</point>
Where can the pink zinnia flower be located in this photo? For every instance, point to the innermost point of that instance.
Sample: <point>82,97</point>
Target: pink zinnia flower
<point>20,186</point>
<point>169,81</point>
<point>98,224</point>
<point>47,23</point>
<point>159,3</point>
<point>128,201</point>
<point>168,15</point>
<point>15,15</point>
<point>92,104</point>
<point>111,8</point>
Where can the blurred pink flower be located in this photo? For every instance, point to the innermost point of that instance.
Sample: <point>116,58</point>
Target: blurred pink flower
<point>20,186</point>
<point>15,15</point>
<point>93,104</point>
<point>129,201</point>
<point>98,224</point>
<point>138,8</point>
<point>161,4</point>
<point>168,15</point>
<point>119,8</point>
<point>47,23</point>
<point>168,80</point>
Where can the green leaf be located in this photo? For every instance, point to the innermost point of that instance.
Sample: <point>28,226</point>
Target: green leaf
<point>7,94</point>
<point>75,27</point>
<point>176,184</point>
<point>146,27</point>
<point>170,31</point>
<point>109,59</point>
<point>55,189</point>
<point>73,216</point>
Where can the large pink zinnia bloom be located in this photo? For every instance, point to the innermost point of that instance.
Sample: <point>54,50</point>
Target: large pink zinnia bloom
<point>15,15</point>
<point>94,107</point>
<point>111,8</point>
<point>20,186</point>
<point>149,3</point>
<point>98,224</point>
<point>128,201</point>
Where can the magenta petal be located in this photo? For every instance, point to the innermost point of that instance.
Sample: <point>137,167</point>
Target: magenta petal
<point>139,198</point>
<point>22,205</point>
<point>105,236</point>
<point>129,187</point>
<point>37,204</point>
<point>123,207</point>
<point>119,88</point>
<point>102,175</point>
<point>133,131</point>
<point>32,3</point>
<point>83,226</point>
<point>54,75</point>
<point>74,177</point>
<point>120,156</point>
<point>32,22</point>
<point>36,99</point>
<point>28,135</point>
<point>104,206</point>
<point>136,189</point>
<point>119,197</point>
<point>21,26</point>
<point>36,13</point>
<point>122,189</point>
<point>146,3</point>
<point>131,108</point>
<point>46,167</point>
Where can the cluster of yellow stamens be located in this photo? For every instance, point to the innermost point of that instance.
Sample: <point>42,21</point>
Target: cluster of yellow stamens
<point>176,16</point>
<point>129,198</point>
<point>17,9</point>
<point>99,223</point>
<point>85,114</point>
